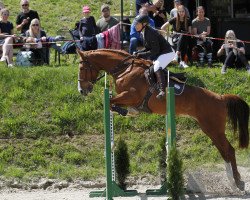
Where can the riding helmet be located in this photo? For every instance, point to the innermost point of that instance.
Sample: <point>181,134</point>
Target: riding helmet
<point>142,19</point>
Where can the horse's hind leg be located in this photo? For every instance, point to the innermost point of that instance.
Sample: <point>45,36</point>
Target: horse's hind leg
<point>228,153</point>
<point>217,135</point>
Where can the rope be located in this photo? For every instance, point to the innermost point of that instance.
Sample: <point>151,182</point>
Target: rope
<point>191,35</point>
<point>166,32</point>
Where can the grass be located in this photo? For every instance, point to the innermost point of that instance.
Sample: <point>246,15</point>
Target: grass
<point>40,109</point>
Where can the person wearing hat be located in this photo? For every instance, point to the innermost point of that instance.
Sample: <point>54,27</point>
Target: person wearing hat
<point>174,11</point>
<point>156,49</point>
<point>87,26</point>
<point>106,21</point>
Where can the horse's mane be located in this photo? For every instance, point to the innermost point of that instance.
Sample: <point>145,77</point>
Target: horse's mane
<point>120,52</point>
<point>145,63</point>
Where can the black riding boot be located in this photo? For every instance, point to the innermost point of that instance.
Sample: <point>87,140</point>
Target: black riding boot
<point>162,83</point>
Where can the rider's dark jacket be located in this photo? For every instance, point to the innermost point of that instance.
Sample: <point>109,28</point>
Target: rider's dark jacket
<point>155,44</point>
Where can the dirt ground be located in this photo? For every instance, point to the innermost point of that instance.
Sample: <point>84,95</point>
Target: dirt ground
<point>201,184</point>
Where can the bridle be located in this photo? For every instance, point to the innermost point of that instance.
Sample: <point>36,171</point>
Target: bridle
<point>90,68</point>
<point>117,69</point>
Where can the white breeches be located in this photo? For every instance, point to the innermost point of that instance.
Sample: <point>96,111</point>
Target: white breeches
<point>163,60</point>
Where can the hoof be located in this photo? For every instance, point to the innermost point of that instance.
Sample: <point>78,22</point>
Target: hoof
<point>240,184</point>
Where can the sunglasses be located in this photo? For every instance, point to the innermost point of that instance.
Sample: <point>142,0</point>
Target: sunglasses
<point>35,24</point>
<point>25,5</point>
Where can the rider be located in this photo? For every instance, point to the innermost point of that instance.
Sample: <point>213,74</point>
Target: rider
<point>156,49</point>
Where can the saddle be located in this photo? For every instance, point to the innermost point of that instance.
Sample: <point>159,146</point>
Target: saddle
<point>176,80</point>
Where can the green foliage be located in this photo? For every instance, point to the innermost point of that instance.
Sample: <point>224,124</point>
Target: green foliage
<point>162,155</point>
<point>175,180</point>
<point>122,163</point>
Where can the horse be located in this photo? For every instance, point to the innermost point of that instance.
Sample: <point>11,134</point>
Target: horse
<point>209,109</point>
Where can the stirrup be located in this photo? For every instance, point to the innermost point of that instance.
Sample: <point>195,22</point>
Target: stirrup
<point>161,95</point>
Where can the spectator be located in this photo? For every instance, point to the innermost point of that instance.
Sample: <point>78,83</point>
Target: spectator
<point>143,3</point>
<point>201,27</point>
<point>25,17</point>
<point>36,35</point>
<point>6,37</point>
<point>160,15</point>
<point>87,30</point>
<point>135,37</point>
<point>180,24</point>
<point>156,49</point>
<point>235,53</point>
<point>173,12</point>
<point>87,26</point>
<point>106,21</point>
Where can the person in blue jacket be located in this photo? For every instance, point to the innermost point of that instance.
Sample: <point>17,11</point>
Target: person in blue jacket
<point>135,37</point>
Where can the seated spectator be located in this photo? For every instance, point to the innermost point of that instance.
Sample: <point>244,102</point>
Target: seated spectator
<point>174,11</point>
<point>106,21</point>
<point>234,50</point>
<point>180,24</point>
<point>87,29</point>
<point>25,17</point>
<point>135,37</point>
<point>201,27</point>
<point>36,35</point>
<point>160,15</point>
<point>6,37</point>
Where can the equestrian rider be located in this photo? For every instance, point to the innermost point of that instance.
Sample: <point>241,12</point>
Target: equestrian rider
<point>156,49</point>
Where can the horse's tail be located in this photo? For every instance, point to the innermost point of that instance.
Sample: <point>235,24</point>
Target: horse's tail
<point>238,113</point>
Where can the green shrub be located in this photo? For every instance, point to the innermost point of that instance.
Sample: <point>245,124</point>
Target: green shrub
<point>122,164</point>
<point>175,180</point>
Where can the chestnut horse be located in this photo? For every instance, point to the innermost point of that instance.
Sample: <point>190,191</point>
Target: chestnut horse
<point>209,109</point>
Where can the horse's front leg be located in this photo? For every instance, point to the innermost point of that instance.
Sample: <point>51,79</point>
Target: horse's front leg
<point>125,98</point>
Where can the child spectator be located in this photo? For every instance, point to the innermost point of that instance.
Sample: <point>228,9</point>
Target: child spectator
<point>25,17</point>
<point>235,53</point>
<point>106,21</point>
<point>87,30</point>
<point>87,27</point>
<point>6,37</point>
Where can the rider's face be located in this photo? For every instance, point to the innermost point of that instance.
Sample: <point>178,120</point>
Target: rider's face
<point>138,26</point>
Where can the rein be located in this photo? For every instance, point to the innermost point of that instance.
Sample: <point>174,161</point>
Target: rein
<point>121,67</point>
